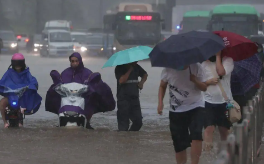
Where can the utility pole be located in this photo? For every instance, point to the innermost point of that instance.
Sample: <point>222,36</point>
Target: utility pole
<point>38,17</point>
<point>100,12</point>
<point>168,14</point>
<point>157,3</point>
<point>4,22</point>
<point>62,9</point>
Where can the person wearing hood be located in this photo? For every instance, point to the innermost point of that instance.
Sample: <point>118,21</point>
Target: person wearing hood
<point>99,97</point>
<point>18,76</point>
<point>76,72</point>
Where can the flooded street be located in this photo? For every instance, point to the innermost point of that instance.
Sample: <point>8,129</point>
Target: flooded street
<point>42,142</point>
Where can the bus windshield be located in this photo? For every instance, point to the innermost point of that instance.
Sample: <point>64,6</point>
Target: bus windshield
<point>194,24</point>
<point>138,30</point>
<point>241,24</point>
<point>242,28</point>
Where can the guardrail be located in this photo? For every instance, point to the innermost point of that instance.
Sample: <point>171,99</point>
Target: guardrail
<point>243,146</point>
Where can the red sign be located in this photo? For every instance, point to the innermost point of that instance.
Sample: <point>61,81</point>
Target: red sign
<point>138,17</point>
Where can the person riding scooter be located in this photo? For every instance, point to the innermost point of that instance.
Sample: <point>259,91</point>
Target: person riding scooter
<point>98,98</point>
<point>18,76</point>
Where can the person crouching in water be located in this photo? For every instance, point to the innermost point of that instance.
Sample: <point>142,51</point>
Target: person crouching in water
<point>16,77</point>
<point>186,109</point>
<point>128,103</point>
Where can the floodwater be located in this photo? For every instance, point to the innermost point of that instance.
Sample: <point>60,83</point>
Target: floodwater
<point>42,142</point>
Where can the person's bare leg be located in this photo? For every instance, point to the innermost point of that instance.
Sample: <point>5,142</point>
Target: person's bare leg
<point>196,150</point>
<point>181,157</point>
<point>22,111</point>
<point>223,133</point>
<point>3,105</point>
<point>208,138</point>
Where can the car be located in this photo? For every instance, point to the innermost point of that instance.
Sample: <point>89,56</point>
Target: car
<point>94,44</point>
<point>24,39</point>
<point>108,48</point>
<point>79,40</point>
<point>10,42</point>
<point>37,42</point>
<point>57,43</point>
<point>257,38</point>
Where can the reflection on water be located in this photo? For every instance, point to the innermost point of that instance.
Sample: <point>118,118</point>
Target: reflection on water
<point>40,141</point>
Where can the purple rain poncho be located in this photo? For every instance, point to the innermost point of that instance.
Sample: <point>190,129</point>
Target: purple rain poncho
<point>99,98</point>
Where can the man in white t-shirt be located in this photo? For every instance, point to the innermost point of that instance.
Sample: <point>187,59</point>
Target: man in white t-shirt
<point>187,109</point>
<point>215,104</point>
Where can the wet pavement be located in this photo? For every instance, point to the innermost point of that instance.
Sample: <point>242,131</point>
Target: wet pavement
<point>40,141</point>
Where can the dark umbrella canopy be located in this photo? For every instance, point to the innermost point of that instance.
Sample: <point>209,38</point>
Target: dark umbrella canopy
<point>185,49</point>
<point>245,75</point>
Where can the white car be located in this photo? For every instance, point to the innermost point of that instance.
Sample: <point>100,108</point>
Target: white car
<point>24,38</point>
<point>10,43</point>
<point>57,43</point>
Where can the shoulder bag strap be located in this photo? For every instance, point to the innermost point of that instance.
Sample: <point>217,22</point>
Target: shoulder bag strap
<point>219,83</point>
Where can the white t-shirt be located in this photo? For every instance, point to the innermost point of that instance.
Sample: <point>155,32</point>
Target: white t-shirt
<point>184,95</point>
<point>213,93</point>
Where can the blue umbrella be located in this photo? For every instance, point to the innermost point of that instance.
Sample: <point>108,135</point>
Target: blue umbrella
<point>128,56</point>
<point>185,49</point>
<point>245,75</point>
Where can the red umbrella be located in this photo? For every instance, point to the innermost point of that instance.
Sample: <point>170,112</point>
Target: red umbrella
<point>237,47</point>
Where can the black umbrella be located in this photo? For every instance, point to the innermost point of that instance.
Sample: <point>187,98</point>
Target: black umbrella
<point>185,49</point>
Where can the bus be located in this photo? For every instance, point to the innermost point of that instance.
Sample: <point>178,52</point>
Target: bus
<point>134,24</point>
<point>237,18</point>
<point>194,20</point>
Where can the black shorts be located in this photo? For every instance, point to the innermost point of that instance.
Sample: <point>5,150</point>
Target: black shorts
<point>185,127</point>
<point>216,115</point>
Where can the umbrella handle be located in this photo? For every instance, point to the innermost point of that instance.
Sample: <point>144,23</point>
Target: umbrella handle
<point>190,70</point>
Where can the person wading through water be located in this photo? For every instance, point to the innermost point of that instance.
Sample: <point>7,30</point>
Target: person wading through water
<point>128,103</point>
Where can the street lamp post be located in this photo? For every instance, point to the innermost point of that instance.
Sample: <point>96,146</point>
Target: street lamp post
<point>168,14</point>
<point>62,9</point>
<point>38,19</point>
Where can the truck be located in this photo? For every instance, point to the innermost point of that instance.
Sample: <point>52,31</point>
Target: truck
<point>194,20</point>
<point>133,24</point>
<point>58,25</point>
<point>238,18</point>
